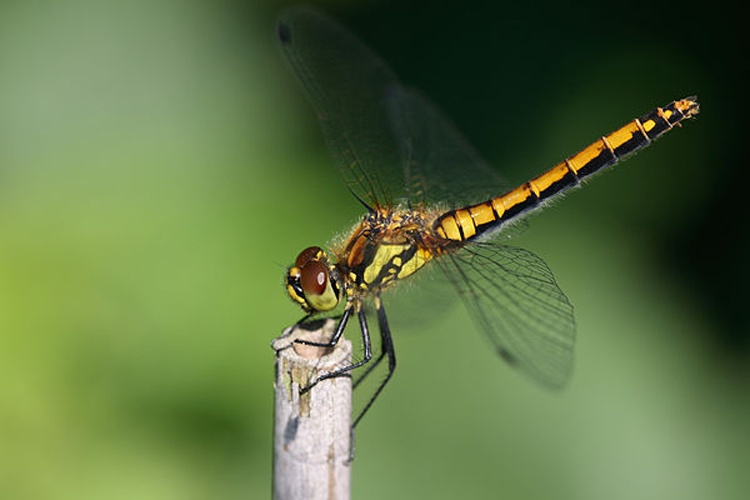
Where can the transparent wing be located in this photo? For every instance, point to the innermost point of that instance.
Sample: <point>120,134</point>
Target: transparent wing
<point>440,166</point>
<point>513,297</point>
<point>347,85</point>
<point>391,144</point>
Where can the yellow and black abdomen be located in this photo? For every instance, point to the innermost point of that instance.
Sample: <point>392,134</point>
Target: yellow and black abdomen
<point>468,222</point>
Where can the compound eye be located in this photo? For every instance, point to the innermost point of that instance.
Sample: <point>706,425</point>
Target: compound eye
<point>310,281</point>
<point>314,278</point>
<point>306,256</point>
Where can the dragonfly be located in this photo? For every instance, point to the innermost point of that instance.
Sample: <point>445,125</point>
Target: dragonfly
<point>431,200</point>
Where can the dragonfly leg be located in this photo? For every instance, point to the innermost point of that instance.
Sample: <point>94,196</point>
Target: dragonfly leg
<point>336,335</point>
<point>304,319</point>
<point>387,350</point>
<point>345,371</point>
<point>371,367</point>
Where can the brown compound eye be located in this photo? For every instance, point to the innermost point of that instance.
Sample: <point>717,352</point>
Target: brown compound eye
<point>314,278</point>
<point>306,256</point>
<point>312,282</point>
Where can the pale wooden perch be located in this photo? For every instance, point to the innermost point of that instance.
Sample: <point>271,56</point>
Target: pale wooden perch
<point>312,431</point>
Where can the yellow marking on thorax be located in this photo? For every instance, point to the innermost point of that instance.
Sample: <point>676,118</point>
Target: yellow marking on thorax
<point>420,258</point>
<point>390,254</point>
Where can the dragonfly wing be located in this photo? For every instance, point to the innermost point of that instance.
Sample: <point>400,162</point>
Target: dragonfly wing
<point>514,298</point>
<point>440,165</point>
<point>391,144</point>
<point>347,85</point>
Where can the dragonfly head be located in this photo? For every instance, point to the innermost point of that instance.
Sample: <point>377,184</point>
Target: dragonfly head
<point>313,282</point>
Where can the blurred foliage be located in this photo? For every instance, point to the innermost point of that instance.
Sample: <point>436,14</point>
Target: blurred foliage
<point>159,167</point>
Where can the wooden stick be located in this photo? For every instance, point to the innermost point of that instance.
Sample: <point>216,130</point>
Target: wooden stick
<point>312,431</point>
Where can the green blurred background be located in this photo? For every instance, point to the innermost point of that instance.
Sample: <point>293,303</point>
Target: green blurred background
<point>159,166</point>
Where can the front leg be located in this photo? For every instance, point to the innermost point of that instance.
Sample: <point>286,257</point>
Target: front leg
<point>336,335</point>
<point>345,371</point>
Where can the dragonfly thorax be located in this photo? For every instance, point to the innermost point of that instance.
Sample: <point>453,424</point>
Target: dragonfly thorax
<point>384,247</point>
